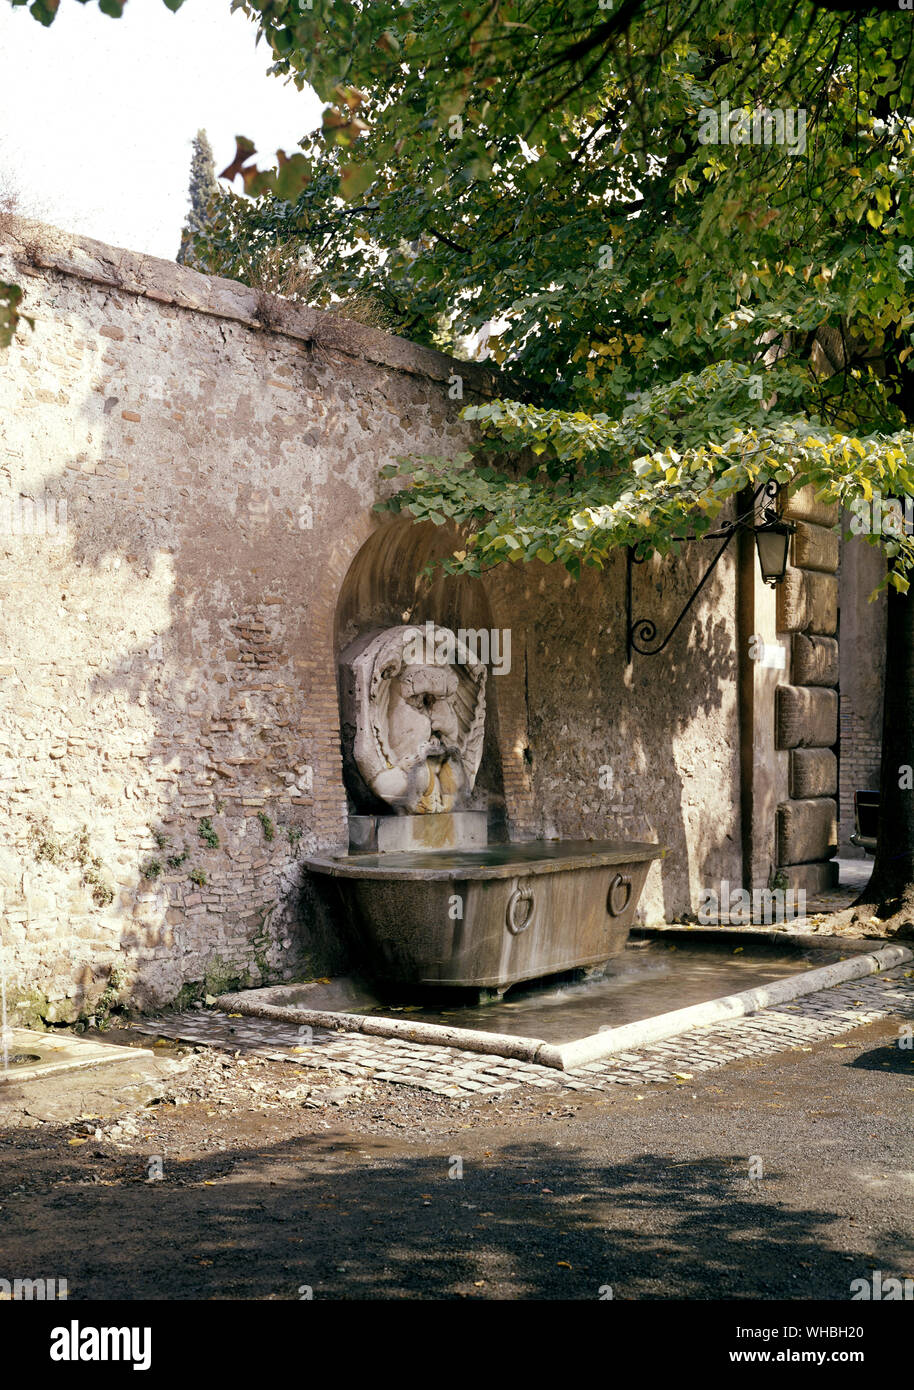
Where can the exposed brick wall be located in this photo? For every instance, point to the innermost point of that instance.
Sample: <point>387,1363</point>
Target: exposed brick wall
<point>863,639</point>
<point>861,757</point>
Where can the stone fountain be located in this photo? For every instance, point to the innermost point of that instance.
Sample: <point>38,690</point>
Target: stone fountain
<point>428,899</point>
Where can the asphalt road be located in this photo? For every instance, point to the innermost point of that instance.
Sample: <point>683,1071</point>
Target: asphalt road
<point>645,1192</point>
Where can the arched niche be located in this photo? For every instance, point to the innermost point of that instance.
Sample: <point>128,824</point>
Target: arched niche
<point>385,586</point>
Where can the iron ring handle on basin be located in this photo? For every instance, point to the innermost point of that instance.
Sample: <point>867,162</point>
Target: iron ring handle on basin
<point>612,906</point>
<point>513,920</point>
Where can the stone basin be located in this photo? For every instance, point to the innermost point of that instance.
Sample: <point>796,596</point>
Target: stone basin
<point>489,918</point>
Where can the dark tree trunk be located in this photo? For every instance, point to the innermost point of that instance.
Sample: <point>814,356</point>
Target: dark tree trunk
<point>891,887</point>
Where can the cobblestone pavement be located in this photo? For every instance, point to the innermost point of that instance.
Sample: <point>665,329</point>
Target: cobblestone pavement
<point>450,1071</point>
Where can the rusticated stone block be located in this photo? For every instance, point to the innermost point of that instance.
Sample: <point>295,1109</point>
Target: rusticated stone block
<point>815,547</point>
<point>802,505</point>
<point>813,772</point>
<point>807,830</point>
<point>806,716</point>
<point>808,602</point>
<point>821,877</point>
<point>814,660</point>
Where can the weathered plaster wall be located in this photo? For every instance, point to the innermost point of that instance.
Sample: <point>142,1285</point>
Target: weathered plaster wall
<point>167,654</point>
<point>595,746</point>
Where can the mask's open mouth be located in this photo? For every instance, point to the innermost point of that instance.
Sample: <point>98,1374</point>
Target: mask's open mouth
<point>436,749</point>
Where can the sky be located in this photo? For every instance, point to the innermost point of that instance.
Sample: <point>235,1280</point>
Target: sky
<point>97,115</point>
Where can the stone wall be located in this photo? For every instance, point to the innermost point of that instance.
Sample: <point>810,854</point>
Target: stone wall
<point>593,745</point>
<point>166,667</point>
<point>187,477</point>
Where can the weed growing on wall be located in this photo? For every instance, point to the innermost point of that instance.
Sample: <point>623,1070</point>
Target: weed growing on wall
<point>47,846</point>
<point>107,1000</point>
<point>207,834</point>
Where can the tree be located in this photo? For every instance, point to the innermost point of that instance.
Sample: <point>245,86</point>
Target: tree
<point>202,191</point>
<point>695,231</point>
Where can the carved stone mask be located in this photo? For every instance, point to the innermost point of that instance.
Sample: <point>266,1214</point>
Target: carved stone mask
<point>418,723</point>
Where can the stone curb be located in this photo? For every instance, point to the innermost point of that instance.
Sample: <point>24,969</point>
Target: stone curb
<point>60,1054</point>
<point>634,1035</point>
<point>569,1056</point>
<point>739,935</point>
<point>519,1049</point>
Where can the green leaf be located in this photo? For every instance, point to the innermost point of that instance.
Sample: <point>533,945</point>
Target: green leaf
<point>355,179</point>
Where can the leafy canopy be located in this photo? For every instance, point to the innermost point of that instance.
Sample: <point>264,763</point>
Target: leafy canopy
<point>684,313</point>
<point>687,309</point>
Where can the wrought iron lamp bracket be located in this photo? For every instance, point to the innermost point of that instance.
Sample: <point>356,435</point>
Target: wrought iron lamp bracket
<point>642,631</point>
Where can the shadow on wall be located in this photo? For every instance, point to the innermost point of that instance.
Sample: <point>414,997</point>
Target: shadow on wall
<point>646,752</point>
<point>600,749</point>
<point>169,676</point>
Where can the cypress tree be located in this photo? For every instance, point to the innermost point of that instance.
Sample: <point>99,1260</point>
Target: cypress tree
<point>201,189</point>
